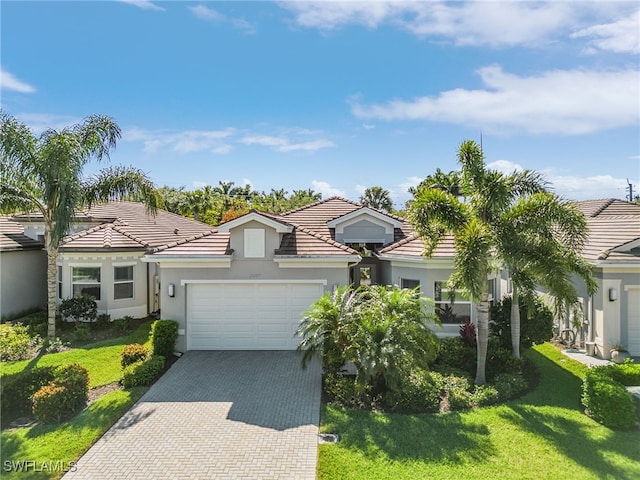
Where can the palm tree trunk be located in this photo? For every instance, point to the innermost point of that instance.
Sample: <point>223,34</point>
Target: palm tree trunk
<point>52,284</point>
<point>515,322</point>
<point>482,331</point>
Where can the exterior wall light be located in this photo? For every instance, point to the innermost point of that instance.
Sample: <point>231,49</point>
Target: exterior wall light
<point>171,290</point>
<point>613,294</point>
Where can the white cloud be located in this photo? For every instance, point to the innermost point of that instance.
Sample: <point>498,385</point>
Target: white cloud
<point>327,190</point>
<point>188,141</point>
<point>144,4</point>
<point>505,166</point>
<point>574,187</point>
<point>8,81</point>
<point>569,102</point>
<point>621,36</point>
<point>463,23</point>
<point>283,144</point>
<point>39,122</point>
<point>211,15</point>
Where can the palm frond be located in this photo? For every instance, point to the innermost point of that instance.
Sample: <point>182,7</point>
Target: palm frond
<point>117,183</point>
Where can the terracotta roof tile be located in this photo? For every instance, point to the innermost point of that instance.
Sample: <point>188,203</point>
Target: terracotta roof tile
<point>413,246</point>
<point>12,237</point>
<point>210,243</point>
<point>303,241</point>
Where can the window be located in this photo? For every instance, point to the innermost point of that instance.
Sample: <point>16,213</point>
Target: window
<point>448,312</point>
<point>254,243</point>
<point>86,281</point>
<point>59,281</point>
<point>409,283</point>
<point>123,282</point>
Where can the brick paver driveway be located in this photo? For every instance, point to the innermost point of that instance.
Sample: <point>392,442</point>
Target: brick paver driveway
<point>217,415</point>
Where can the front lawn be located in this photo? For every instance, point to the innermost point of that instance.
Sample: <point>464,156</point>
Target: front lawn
<point>52,448</point>
<point>543,435</point>
<point>101,359</point>
<point>44,451</point>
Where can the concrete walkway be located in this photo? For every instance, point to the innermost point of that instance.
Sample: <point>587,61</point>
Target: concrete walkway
<point>581,356</point>
<point>217,415</point>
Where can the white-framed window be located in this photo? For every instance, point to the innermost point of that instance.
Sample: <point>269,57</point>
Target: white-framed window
<point>451,313</point>
<point>409,283</point>
<point>123,282</point>
<point>85,281</point>
<point>254,243</point>
<point>60,281</point>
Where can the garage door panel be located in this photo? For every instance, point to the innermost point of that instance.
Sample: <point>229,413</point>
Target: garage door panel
<point>251,316</point>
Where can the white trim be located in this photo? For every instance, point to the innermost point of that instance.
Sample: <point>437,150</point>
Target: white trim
<point>189,261</point>
<point>617,267</point>
<point>418,262</point>
<point>94,256</point>
<point>631,287</point>
<point>377,218</point>
<point>346,240</point>
<point>624,247</point>
<point>186,282</point>
<point>124,264</point>
<point>253,216</point>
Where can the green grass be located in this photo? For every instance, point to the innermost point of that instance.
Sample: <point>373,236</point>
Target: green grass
<point>55,446</point>
<point>101,359</point>
<point>543,435</point>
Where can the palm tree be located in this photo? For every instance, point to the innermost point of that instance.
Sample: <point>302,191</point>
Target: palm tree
<point>378,198</point>
<point>45,174</point>
<point>449,182</point>
<point>475,226</point>
<point>541,238</point>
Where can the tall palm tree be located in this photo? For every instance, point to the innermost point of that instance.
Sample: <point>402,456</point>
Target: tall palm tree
<point>475,227</point>
<point>541,238</point>
<point>45,174</point>
<point>378,198</point>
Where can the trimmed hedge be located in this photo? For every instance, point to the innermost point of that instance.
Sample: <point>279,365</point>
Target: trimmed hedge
<point>133,353</point>
<point>164,334</point>
<point>142,373</point>
<point>606,399</point>
<point>419,392</point>
<point>17,389</point>
<point>50,403</point>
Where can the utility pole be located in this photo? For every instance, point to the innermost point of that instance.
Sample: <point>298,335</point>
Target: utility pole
<point>630,188</point>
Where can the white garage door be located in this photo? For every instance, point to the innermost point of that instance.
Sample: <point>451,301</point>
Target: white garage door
<point>633,319</point>
<point>247,316</point>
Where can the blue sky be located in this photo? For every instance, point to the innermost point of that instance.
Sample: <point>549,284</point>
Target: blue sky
<point>337,96</point>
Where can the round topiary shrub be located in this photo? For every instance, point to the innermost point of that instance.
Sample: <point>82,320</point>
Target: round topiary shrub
<point>418,392</point>
<point>132,354</point>
<point>606,400</point>
<point>17,389</point>
<point>142,373</point>
<point>75,378</point>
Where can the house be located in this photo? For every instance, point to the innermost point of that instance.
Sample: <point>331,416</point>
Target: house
<point>23,268</point>
<point>613,249</point>
<point>245,284</point>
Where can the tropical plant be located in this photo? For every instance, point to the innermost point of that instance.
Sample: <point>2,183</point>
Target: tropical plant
<point>378,198</point>
<point>475,227</point>
<point>45,174</point>
<point>381,330</point>
<point>447,182</point>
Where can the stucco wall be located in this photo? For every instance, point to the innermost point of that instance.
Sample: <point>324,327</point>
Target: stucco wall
<point>23,281</point>
<point>135,307</point>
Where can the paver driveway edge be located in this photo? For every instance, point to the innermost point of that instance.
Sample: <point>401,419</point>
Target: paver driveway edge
<point>217,415</point>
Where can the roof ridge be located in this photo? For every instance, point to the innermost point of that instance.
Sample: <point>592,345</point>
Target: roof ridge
<point>602,208</point>
<point>122,231</point>
<point>399,243</point>
<point>320,202</point>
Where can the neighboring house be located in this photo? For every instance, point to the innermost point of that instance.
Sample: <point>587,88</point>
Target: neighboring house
<point>245,284</point>
<point>613,248</point>
<point>23,270</point>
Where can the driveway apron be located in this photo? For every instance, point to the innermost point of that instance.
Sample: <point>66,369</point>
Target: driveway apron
<point>217,415</point>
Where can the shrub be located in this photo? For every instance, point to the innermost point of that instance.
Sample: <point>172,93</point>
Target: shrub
<point>454,353</point>
<point>142,373</point>
<point>457,391</point>
<point>501,360</point>
<point>509,385</point>
<point>484,395</point>
<point>607,400</point>
<point>81,333</point>
<point>123,324</point>
<point>54,346</point>
<point>77,309</point>
<point>468,334</point>
<point>536,322</point>
<point>163,337</point>
<point>50,403</point>
<point>15,342</point>
<point>345,391</point>
<point>418,392</point>
<point>627,373</point>
<point>102,321</point>
<point>17,389</point>
<point>132,354</point>
<point>75,379</point>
